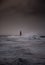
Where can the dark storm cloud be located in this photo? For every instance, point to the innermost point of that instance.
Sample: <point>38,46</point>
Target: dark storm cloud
<point>23,5</point>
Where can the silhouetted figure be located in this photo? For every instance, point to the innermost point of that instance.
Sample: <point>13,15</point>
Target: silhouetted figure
<point>20,33</point>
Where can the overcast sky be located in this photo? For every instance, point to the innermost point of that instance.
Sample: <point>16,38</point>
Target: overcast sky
<point>12,22</point>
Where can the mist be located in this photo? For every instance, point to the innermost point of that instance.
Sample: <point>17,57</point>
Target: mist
<point>22,32</point>
<point>16,15</point>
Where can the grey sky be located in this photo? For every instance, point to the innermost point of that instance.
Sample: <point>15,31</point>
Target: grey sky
<point>12,22</point>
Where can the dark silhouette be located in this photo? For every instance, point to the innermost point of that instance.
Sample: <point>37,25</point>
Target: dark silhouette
<point>20,33</point>
<point>42,36</point>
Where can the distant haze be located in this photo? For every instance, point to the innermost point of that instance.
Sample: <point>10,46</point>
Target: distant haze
<point>16,15</point>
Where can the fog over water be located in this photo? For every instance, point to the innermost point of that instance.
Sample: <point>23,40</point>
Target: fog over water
<point>12,24</point>
<point>22,15</point>
<point>22,32</point>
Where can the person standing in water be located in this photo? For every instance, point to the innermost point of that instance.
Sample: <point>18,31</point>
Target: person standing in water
<point>20,33</point>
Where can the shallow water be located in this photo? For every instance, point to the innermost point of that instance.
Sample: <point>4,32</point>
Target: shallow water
<point>31,50</point>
